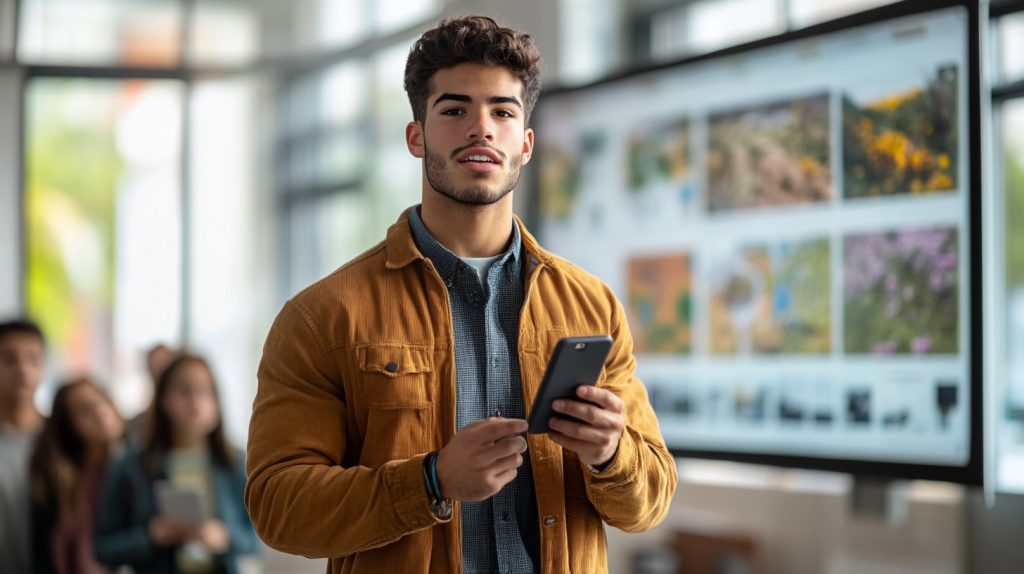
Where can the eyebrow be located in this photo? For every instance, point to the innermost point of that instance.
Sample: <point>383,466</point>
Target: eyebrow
<point>467,99</point>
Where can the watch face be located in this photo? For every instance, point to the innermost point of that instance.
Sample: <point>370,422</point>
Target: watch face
<point>441,508</point>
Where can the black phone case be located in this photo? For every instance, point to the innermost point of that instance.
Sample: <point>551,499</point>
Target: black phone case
<point>575,361</point>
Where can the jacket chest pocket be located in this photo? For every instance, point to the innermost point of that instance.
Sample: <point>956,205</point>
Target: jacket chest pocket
<point>396,388</point>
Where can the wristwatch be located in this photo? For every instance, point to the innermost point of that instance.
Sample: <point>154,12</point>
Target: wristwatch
<point>441,508</point>
<point>439,505</point>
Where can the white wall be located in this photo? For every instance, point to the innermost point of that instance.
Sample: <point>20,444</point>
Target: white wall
<point>10,192</point>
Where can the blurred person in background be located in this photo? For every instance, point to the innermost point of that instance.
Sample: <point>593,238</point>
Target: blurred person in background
<point>157,358</point>
<point>187,449</point>
<point>22,361</point>
<point>393,392</point>
<point>83,431</point>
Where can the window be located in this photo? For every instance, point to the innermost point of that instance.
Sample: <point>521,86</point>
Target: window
<point>7,30</point>
<point>1011,48</point>
<point>685,28</point>
<point>708,25</point>
<point>231,243</point>
<point>223,34</point>
<point>101,32</point>
<point>588,39</point>
<point>102,209</point>
<point>806,12</point>
<point>1010,438</point>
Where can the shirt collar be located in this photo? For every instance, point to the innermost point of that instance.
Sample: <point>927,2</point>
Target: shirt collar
<point>446,262</point>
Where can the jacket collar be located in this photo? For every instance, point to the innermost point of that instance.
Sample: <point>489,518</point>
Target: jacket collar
<point>400,247</point>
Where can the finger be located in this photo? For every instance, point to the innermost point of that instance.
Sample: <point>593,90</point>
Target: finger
<point>587,412</point>
<point>507,476</point>
<point>511,445</point>
<point>603,397</point>
<point>493,429</point>
<point>501,449</point>
<point>583,432</point>
<point>570,443</point>
<point>512,461</point>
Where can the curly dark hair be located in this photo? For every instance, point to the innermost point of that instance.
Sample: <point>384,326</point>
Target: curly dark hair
<point>476,39</point>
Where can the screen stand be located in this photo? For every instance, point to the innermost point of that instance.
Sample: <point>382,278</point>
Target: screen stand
<point>880,499</point>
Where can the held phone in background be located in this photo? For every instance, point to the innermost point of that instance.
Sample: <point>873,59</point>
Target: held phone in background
<point>180,503</point>
<point>576,361</point>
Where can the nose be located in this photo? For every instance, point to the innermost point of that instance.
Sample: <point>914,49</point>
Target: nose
<point>480,127</point>
<point>24,369</point>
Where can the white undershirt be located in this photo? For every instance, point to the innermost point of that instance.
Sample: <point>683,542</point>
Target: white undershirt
<point>481,264</point>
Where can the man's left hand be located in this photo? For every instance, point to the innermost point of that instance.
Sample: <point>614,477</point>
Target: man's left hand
<point>596,439</point>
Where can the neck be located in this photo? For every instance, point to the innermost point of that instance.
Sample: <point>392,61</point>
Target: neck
<point>20,416</point>
<point>468,230</point>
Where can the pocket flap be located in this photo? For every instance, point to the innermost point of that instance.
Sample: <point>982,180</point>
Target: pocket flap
<point>393,360</point>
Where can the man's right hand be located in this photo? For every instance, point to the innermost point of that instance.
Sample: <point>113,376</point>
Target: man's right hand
<point>481,459</point>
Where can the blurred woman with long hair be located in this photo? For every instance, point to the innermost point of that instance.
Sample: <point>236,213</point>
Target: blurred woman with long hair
<point>185,452</point>
<point>66,470</point>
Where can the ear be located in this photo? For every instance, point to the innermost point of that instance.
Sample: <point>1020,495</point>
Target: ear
<point>414,138</point>
<point>527,145</point>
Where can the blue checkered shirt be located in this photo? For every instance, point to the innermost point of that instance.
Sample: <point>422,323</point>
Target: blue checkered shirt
<point>500,534</point>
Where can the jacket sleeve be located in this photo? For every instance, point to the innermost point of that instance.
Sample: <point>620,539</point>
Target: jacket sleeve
<point>301,499</point>
<point>634,491</point>
<point>117,540</point>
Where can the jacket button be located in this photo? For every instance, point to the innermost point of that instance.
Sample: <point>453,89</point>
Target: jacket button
<point>549,520</point>
<point>391,367</point>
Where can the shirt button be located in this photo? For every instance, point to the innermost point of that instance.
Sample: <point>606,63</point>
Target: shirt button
<point>549,520</point>
<point>505,517</point>
<point>391,367</point>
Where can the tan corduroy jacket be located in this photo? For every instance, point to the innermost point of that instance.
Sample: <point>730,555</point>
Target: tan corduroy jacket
<point>357,384</point>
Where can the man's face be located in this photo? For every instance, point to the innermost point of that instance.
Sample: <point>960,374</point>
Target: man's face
<point>21,367</point>
<point>473,138</point>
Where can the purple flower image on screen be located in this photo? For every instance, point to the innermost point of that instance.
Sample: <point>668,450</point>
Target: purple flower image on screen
<point>901,292</point>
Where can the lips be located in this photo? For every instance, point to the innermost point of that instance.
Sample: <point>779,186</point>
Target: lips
<point>480,155</point>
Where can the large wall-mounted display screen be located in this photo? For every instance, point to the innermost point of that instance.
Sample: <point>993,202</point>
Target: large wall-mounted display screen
<point>789,229</point>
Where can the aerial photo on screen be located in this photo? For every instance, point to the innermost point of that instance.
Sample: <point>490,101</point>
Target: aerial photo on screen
<point>660,168</point>
<point>773,299</point>
<point>660,303</point>
<point>561,172</point>
<point>771,155</point>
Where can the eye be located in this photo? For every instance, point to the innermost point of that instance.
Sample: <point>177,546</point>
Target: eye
<point>452,112</point>
<point>505,114</point>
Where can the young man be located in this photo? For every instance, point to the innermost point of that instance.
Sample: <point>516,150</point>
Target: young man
<point>22,356</point>
<point>387,431</point>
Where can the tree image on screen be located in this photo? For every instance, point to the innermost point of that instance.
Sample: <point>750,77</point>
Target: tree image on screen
<point>770,156</point>
<point>660,303</point>
<point>774,299</point>
<point>901,292</point>
<point>904,142</point>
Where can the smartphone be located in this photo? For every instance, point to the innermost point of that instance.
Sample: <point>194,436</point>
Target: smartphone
<point>576,361</point>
